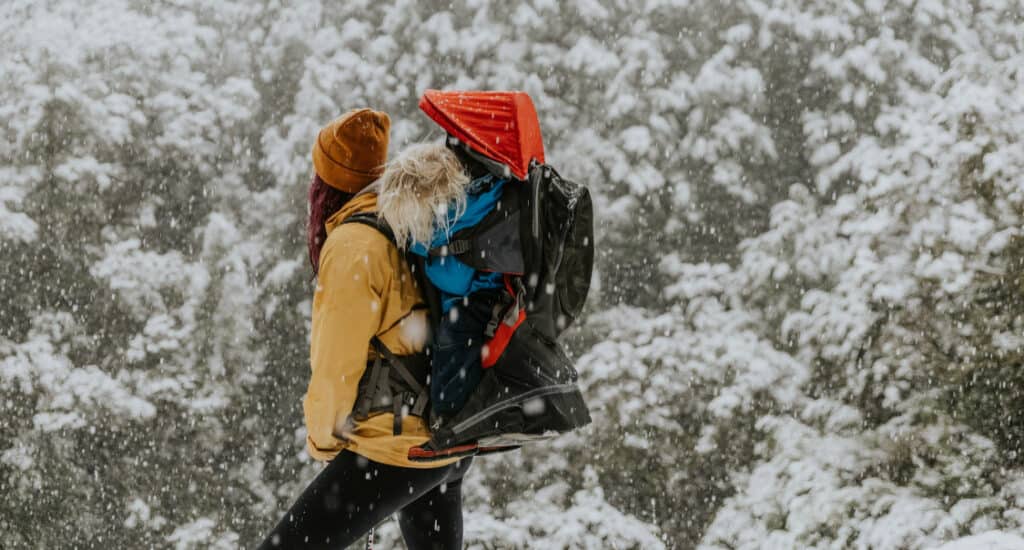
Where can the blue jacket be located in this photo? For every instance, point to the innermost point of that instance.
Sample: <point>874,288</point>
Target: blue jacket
<point>450,275</point>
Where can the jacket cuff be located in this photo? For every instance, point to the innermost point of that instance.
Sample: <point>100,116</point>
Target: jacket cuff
<point>322,454</point>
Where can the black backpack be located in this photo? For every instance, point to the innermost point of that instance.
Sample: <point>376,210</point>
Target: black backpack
<point>541,237</point>
<point>543,232</point>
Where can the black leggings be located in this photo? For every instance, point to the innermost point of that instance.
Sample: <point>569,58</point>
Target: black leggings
<point>353,494</point>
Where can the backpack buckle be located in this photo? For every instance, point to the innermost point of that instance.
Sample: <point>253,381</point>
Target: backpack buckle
<point>496,317</point>
<point>518,303</point>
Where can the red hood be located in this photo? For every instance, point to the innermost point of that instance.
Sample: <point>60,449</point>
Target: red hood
<point>500,125</point>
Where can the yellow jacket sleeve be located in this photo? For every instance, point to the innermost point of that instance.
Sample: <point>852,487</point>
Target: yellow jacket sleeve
<point>346,315</point>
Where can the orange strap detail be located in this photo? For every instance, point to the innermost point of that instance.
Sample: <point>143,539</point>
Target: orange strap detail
<point>493,348</point>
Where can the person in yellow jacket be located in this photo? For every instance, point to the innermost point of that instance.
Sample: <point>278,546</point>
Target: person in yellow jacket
<point>365,297</point>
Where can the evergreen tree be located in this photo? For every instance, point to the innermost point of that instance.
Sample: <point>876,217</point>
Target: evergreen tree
<point>805,327</point>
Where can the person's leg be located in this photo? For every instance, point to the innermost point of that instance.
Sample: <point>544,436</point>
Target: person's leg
<point>349,497</point>
<point>434,521</point>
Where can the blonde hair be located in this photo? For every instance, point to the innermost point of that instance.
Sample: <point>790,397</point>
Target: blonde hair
<point>418,189</point>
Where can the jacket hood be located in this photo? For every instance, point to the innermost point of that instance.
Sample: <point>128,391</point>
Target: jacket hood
<point>362,202</point>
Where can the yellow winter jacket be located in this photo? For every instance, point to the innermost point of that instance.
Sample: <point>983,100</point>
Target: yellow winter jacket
<point>364,288</point>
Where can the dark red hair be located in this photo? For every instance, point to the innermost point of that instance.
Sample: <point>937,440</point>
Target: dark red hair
<point>324,202</point>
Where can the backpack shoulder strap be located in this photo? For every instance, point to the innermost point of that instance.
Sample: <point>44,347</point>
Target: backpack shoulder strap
<point>373,220</point>
<point>431,295</point>
<point>377,384</point>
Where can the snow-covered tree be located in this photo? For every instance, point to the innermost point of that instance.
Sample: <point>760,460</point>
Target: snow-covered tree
<point>806,323</point>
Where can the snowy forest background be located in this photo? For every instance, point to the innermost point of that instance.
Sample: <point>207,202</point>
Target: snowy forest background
<point>807,328</point>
